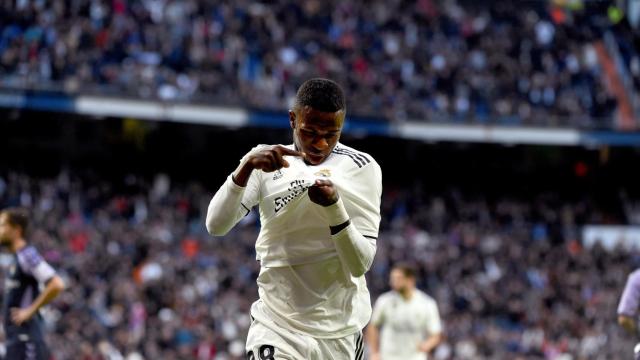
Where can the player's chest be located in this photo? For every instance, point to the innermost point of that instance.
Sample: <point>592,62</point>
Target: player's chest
<point>403,316</point>
<point>288,184</point>
<point>14,277</point>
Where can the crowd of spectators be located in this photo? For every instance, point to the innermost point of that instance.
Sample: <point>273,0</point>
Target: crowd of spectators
<point>145,280</point>
<point>468,61</point>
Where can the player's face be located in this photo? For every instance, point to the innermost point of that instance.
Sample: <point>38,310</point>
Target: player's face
<point>7,232</point>
<point>316,133</point>
<point>398,281</point>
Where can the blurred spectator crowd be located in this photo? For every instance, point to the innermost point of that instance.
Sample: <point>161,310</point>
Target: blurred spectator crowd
<point>146,281</point>
<point>468,61</point>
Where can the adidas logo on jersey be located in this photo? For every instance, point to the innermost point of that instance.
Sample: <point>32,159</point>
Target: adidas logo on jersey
<point>277,175</point>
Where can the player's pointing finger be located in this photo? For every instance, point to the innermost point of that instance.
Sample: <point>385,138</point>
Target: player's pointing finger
<point>289,152</point>
<point>281,162</point>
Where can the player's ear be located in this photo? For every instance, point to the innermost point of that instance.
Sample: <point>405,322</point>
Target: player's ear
<point>292,119</point>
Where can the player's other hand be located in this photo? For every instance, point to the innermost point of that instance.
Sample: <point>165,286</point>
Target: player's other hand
<point>374,357</point>
<point>425,347</point>
<point>322,192</point>
<point>271,158</point>
<point>422,347</point>
<point>19,316</point>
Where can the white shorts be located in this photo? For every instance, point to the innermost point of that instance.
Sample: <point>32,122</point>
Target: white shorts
<point>272,342</point>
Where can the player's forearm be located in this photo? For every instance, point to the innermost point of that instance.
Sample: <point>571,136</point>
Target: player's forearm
<point>225,208</point>
<point>356,252</point>
<point>431,343</point>
<point>373,339</point>
<point>628,324</point>
<point>53,288</point>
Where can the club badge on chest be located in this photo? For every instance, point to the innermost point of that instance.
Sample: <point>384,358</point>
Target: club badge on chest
<point>324,173</point>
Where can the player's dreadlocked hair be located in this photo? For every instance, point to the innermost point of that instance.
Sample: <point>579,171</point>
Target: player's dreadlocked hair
<point>321,94</point>
<point>17,217</point>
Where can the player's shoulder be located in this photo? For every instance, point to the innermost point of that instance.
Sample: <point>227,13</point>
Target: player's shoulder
<point>28,251</point>
<point>424,297</point>
<point>291,146</point>
<point>635,275</point>
<point>262,146</point>
<point>386,297</point>
<point>359,158</point>
<point>341,148</point>
<point>29,256</point>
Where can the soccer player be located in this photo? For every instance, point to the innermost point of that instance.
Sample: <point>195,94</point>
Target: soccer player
<point>22,296</point>
<point>409,318</point>
<point>628,307</point>
<point>319,203</point>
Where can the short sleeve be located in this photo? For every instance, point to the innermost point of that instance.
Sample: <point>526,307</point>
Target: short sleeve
<point>434,324</point>
<point>630,296</point>
<point>378,316</point>
<point>32,263</point>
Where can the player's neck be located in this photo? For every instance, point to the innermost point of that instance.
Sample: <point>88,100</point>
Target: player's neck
<point>407,293</point>
<point>17,245</point>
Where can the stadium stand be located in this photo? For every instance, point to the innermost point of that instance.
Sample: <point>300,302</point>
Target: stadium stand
<point>473,61</point>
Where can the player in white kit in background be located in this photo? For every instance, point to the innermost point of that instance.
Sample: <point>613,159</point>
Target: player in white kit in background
<point>409,318</point>
<point>319,203</point>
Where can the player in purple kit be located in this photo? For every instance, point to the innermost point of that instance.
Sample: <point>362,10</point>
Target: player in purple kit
<point>22,295</point>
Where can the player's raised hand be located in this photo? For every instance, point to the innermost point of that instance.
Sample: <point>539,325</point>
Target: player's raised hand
<point>322,192</point>
<point>267,158</point>
<point>271,158</point>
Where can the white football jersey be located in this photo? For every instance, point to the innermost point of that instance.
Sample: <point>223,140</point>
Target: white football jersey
<point>405,324</point>
<point>302,284</point>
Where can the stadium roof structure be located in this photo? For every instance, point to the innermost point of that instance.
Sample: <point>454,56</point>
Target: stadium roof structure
<point>101,106</point>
